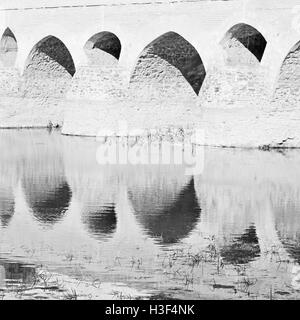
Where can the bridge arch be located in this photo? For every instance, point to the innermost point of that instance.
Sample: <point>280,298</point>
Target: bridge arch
<point>53,50</point>
<point>168,60</point>
<point>49,69</point>
<point>237,77</point>
<point>101,46</point>
<point>243,44</point>
<point>8,48</point>
<point>99,76</point>
<point>287,87</point>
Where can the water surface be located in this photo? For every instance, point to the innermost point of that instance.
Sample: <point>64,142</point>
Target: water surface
<point>71,228</point>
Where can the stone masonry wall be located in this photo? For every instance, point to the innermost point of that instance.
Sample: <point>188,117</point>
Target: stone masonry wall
<point>239,80</point>
<point>10,82</point>
<point>169,85</point>
<point>166,80</point>
<point>287,93</point>
<point>100,80</point>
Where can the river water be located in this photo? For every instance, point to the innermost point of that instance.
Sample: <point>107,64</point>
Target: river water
<point>72,228</point>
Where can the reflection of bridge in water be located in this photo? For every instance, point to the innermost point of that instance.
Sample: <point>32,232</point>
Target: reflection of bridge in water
<point>247,201</point>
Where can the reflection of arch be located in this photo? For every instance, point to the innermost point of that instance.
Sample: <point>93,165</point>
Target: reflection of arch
<point>8,48</point>
<point>167,220</point>
<point>103,41</point>
<point>49,69</point>
<point>43,174</point>
<point>288,228</point>
<point>93,186</point>
<point>242,36</point>
<point>7,207</point>
<point>48,204</point>
<point>243,249</point>
<point>101,223</point>
<point>167,54</point>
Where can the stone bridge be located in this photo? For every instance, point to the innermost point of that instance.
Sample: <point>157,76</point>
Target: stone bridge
<point>231,68</point>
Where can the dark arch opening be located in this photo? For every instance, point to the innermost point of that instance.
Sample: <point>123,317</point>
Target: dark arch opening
<point>49,70</point>
<point>171,221</point>
<point>50,52</point>
<point>174,50</point>
<point>101,223</point>
<point>105,41</point>
<point>8,48</point>
<point>247,36</point>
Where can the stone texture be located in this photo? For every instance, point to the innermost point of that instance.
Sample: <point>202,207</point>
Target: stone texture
<point>153,81</point>
<point>101,79</point>
<point>169,60</point>
<point>49,70</point>
<point>287,93</point>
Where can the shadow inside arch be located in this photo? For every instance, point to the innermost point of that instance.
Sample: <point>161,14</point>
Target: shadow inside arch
<point>105,41</point>
<point>8,48</point>
<point>53,49</point>
<point>247,36</point>
<point>179,53</point>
